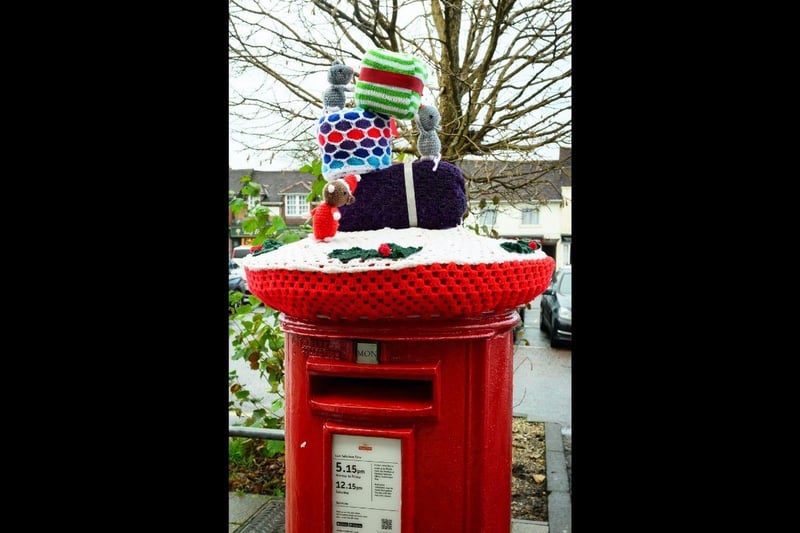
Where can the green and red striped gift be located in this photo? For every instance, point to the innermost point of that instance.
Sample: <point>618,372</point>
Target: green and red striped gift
<point>390,83</point>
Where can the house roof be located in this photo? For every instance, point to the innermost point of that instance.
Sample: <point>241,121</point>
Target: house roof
<point>302,187</point>
<point>274,183</point>
<point>522,181</point>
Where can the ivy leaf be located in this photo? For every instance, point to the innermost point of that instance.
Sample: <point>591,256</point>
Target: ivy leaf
<point>240,354</point>
<point>249,225</point>
<point>244,309</point>
<point>275,447</point>
<point>250,190</point>
<point>242,394</point>
<point>278,223</point>
<point>275,343</point>
<point>261,212</point>
<point>286,238</point>
<point>237,205</point>
<point>316,189</point>
<point>316,167</point>
<point>234,296</point>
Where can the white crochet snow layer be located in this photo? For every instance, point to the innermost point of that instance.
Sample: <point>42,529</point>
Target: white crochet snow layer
<point>457,245</point>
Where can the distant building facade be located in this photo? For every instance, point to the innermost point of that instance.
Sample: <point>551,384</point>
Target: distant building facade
<point>283,192</point>
<point>541,205</point>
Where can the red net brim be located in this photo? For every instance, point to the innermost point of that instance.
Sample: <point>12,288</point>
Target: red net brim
<point>427,291</point>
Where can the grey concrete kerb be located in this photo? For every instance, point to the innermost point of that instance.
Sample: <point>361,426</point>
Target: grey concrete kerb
<point>559,499</point>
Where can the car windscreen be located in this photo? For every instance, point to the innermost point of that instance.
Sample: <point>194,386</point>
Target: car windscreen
<point>238,253</point>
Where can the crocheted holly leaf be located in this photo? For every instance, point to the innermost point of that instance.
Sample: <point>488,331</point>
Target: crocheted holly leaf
<point>521,246</point>
<point>386,250</point>
<point>267,246</point>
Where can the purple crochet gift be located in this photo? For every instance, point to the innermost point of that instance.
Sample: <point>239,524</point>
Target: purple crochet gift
<point>382,198</point>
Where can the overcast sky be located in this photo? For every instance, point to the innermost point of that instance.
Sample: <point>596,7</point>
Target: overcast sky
<point>251,83</point>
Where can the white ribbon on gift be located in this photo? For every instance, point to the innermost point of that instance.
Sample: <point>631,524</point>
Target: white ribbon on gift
<point>411,201</point>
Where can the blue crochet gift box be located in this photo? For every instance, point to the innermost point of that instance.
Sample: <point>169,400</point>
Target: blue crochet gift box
<point>354,141</point>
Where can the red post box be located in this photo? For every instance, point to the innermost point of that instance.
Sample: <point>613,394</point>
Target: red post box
<point>399,349</point>
<point>399,426</point>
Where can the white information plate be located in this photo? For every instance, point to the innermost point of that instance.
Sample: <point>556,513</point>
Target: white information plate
<point>366,484</point>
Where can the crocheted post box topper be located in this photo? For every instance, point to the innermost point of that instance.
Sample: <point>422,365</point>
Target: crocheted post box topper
<point>436,274</point>
<point>354,141</point>
<point>390,83</point>
<point>325,217</point>
<point>401,197</point>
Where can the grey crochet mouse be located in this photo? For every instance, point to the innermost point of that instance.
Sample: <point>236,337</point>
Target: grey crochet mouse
<point>428,143</point>
<point>339,77</point>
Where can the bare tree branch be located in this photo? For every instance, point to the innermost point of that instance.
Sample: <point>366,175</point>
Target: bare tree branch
<point>500,71</point>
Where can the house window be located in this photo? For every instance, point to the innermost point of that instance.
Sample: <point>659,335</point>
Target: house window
<point>487,217</point>
<point>530,217</point>
<point>296,205</point>
<point>253,201</point>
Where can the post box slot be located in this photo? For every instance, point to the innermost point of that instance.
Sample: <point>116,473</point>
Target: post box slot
<point>418,371</point>
<point>372,396</point>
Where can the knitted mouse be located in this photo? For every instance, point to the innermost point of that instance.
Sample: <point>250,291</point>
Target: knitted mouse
<point>428,143</point>
<point>339,77</point>
<point>325,217</point>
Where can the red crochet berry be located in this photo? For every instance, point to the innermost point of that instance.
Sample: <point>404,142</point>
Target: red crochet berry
<point>254,249</point>
<point>533,245</point>
<point>384,250</point>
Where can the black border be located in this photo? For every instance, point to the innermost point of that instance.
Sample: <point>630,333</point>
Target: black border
<point>141,226</point>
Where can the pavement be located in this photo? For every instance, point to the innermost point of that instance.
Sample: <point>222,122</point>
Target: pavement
<point>542,392</point>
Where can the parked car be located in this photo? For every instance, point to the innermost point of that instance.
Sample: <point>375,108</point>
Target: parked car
<point>239,252</point>
<point>237,279</point>
<point>555,316</point>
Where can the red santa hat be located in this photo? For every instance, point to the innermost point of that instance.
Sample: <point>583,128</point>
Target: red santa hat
<point>351,180</point>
